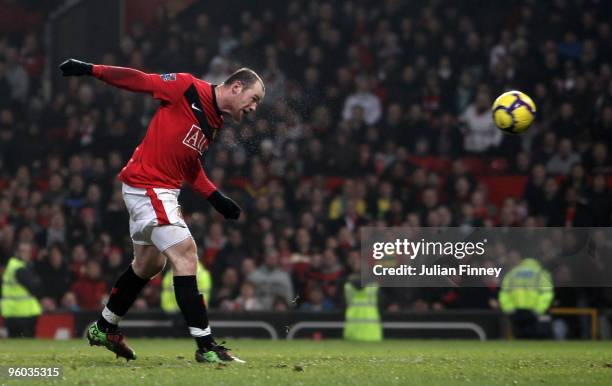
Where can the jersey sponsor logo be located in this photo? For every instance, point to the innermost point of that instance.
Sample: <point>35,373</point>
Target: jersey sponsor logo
<point>168,77</point>
<point>196,140</point>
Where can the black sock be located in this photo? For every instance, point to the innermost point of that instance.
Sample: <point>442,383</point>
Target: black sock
<point>205,342</point>
<point>122,296</point>
<point>105,325</point>
<point>193,308</point>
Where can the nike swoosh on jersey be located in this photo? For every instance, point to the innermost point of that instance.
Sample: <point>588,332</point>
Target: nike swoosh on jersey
<point>193,106</point>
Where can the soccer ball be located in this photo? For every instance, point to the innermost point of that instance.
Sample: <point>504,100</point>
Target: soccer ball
<point>513,112</point>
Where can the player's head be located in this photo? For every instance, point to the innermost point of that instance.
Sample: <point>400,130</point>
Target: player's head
<point>244,91</point>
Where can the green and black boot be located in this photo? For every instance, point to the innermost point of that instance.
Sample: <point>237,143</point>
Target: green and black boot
<point>217,354</point>
<point>113,341</point>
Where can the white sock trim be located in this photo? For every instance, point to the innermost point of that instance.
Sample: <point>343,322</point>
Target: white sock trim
<point>110,316</point>
<point>198,332</point>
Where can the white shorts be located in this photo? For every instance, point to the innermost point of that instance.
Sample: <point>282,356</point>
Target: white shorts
<point>155,216</point>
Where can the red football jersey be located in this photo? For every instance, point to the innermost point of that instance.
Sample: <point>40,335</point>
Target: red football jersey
<point>171,150</point>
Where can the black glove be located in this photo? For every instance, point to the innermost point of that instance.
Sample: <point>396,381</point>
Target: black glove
<point>224,205</point>
<point>73,67</point>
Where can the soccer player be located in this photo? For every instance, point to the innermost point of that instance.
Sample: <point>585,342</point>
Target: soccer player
<point>189,116</point>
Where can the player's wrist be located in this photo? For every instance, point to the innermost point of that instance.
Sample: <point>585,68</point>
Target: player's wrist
<point>88,67</point>
<point>214,196</point>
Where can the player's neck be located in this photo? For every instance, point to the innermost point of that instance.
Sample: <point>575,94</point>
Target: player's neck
<point>221,97</point>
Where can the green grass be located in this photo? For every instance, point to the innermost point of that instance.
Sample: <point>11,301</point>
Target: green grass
<point>407,362</point>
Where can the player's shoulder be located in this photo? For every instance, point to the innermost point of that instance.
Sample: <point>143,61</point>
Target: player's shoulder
<point>204,87</point>
<point>202,83</point>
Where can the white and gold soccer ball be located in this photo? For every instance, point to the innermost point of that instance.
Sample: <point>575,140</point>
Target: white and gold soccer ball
<point>513,112</point>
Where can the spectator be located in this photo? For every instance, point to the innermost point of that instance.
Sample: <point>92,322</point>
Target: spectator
<point>480,134</point>
<point>247,300</point>
<point>228,289</point>
<point>69,302</point>
<point>20,289</point>
<point>552,201</point>
<point>113,266</point>
<point>526,306</point>
<point>270,281</point>
<point>316,301</point>
<point>217,72</point>
<point>248,266</point>
<point>213,243</point>
<point>54,273</point>
<point>351,218</point>
<point>364,98</point>
<point>599,201</point>
<point>56,232</point>
<point>16,75</point>
<point>565,126</point>
<point>561,162</point>
<point>534,190</point>
<point>331,276</point>
<point>231,256</point>
<point>598,161</point>
<point>90,289</point>
<point>227,41</point>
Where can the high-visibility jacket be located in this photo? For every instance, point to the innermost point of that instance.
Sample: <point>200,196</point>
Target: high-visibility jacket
<point>362,319</point>
<point>168,299</point>
<point>17,301</point>
<point>338,206</point>
<point>528,286</point>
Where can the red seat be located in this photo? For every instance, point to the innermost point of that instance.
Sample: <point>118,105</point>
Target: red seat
<point>502,187</point>
<point>52,326</point>
<point>474,165</point>
<point>432,164</point>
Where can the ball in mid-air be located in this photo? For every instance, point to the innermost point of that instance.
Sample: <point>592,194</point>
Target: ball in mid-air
<point>513,112</point>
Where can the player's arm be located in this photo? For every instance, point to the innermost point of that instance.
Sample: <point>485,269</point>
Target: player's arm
<point>161,87</point>
<point>222,204</point>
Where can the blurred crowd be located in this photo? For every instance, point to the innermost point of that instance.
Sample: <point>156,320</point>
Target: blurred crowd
<point>375,113</point>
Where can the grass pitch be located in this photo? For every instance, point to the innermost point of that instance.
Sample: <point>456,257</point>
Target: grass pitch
<point>393,362</point>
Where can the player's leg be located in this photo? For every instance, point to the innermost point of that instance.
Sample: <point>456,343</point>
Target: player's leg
<point>183,257</point>
<point>147,263</point>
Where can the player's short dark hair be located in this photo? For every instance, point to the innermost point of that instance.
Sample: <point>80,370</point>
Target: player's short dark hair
<point>245,75</point>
